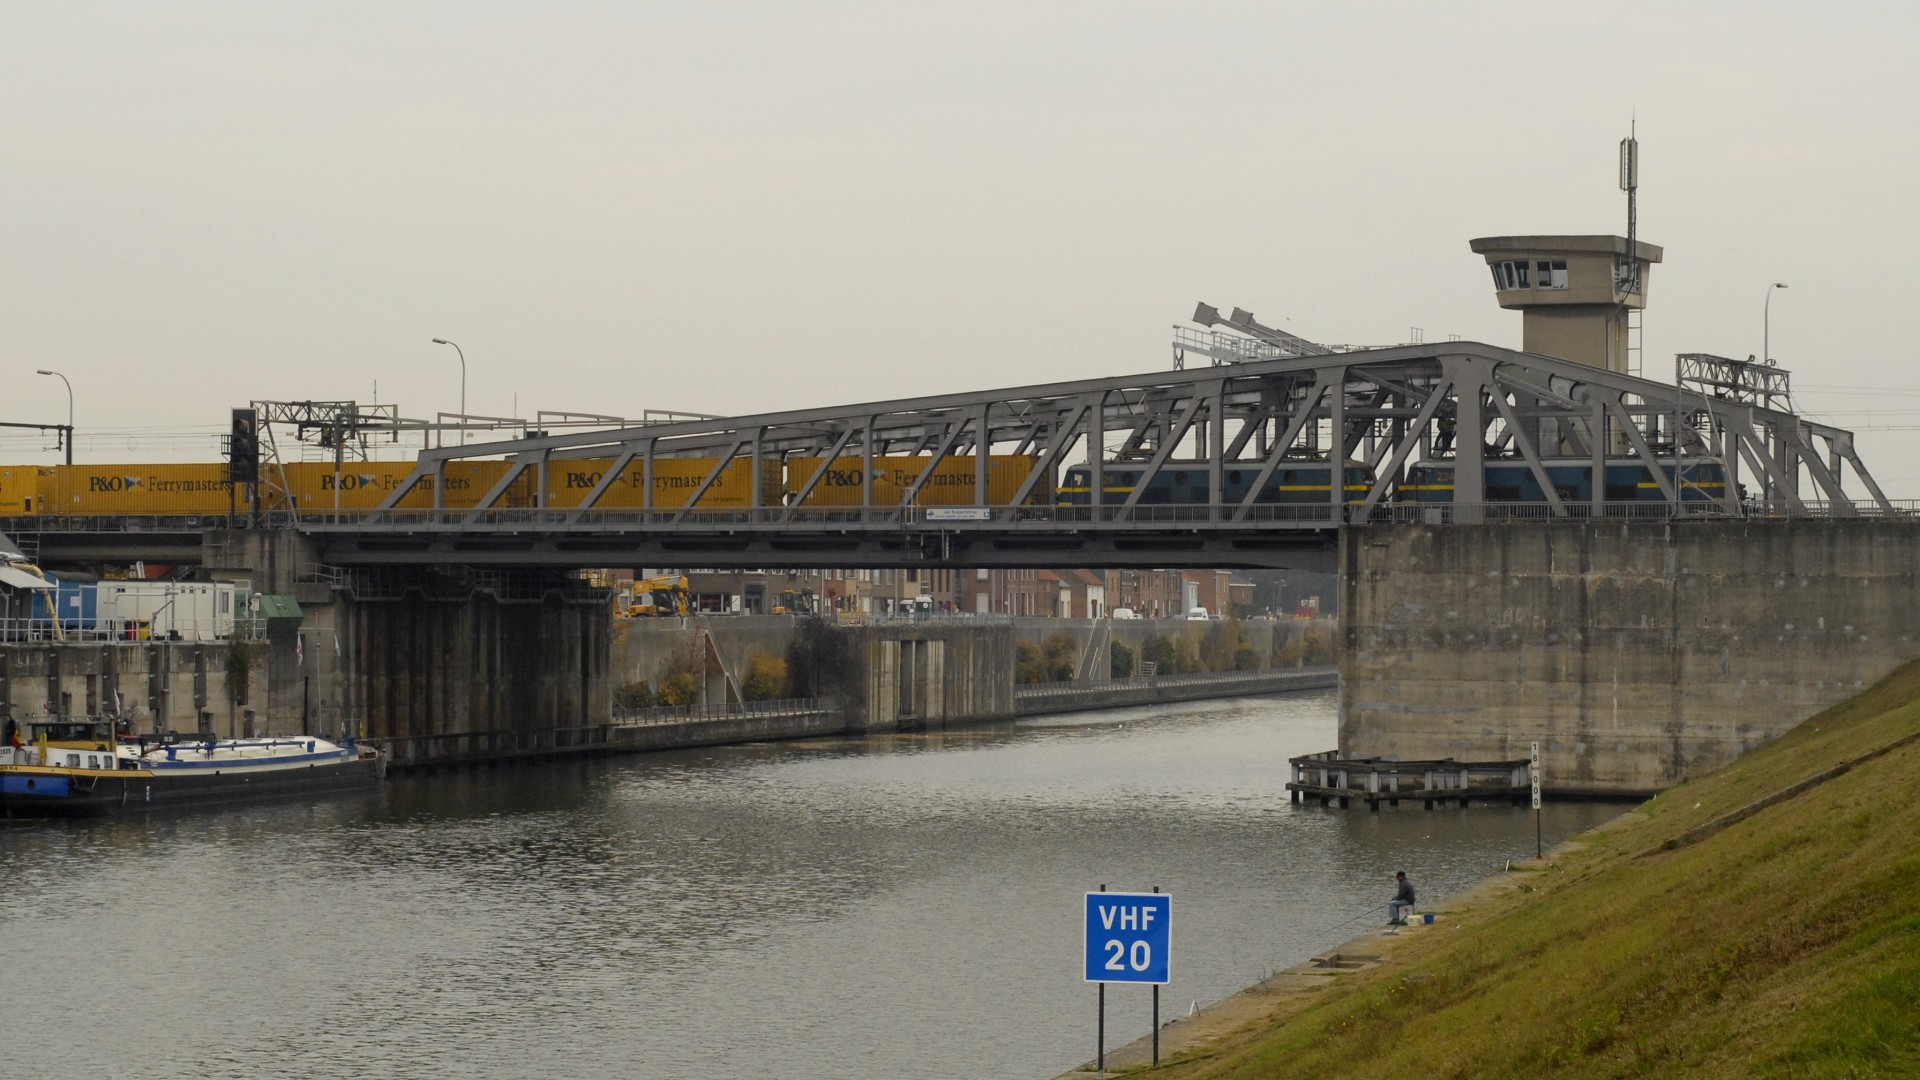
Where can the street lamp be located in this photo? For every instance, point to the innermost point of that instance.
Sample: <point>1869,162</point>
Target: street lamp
<point>63,378</point>
<point>1766,324</point>
<point>463,387</point>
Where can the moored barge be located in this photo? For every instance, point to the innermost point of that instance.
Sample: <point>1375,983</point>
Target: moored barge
<point>72,768</point>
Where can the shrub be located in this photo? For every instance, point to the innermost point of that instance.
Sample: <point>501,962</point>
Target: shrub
<point>1317,648</point>
<point>1186,657</point>
<point>637,694</point>
<point>679,688</point>
<point>241,658</point>
<point>766,677</point>
<point>1288,650</point>
<point>1119,661</point>
<point>1221,645</point>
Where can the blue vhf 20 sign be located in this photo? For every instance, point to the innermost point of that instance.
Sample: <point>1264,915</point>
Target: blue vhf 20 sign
<point>1129,937</point>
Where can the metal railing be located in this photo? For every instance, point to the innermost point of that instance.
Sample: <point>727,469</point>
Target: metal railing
<point>132,632</point>
<point>1206,678</point>
<point>680,714</point>
<point>994,518</point>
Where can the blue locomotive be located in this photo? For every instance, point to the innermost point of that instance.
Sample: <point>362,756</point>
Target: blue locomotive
<point>1185,483</point>
<point>1624,481</point>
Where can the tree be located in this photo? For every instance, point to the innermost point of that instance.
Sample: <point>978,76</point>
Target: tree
<point>1119,661</point>
<point>1062,656</point>
<point>821,661</point>
<point>1029,663</point>
<point>1159,651</point>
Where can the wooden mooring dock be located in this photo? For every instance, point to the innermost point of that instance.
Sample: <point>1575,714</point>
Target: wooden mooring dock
<point>1333,779</point>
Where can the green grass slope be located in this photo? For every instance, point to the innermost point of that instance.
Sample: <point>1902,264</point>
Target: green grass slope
<point>1763,921</point>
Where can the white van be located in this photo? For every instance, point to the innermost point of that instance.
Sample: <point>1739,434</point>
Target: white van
<point>1198,614</point>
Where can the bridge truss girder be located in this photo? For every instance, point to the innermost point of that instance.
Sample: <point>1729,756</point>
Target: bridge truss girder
<point>1381,410</point>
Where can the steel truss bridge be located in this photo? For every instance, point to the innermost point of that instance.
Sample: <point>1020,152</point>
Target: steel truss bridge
<point>1463,404</point>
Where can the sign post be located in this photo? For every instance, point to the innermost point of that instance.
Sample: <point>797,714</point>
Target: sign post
<point>1534,769</point>
<point>1129,939</point>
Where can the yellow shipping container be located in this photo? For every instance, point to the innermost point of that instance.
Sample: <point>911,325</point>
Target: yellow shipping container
<point>674,482</point>
<point>199,488</point>
<point>364,485</point>
<point>20,489</point>
<point>953,482</point>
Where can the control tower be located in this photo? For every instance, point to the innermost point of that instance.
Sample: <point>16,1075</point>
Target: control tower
<point>1573,291</point>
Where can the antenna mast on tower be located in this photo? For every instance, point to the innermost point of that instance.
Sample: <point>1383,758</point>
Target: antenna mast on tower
<point>1627,278</point>
<point>1630,183</point>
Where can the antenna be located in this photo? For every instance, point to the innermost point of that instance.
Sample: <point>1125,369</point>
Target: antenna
<point>1629,276</point>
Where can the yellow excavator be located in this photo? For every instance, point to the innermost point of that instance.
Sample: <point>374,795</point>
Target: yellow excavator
<point>794,602</point>
<point>659,597</point>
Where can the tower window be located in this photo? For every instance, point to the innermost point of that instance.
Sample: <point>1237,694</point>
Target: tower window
<point>1552,273</point>
<point>1510,275</point>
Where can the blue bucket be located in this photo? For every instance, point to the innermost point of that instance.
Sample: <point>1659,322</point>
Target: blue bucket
<point>1427,918</point>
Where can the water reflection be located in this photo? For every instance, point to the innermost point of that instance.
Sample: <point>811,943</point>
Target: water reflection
<point>882,907</point>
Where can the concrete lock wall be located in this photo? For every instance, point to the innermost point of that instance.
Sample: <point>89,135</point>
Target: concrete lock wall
<point>423,669</point>
<point>1638,654</point>
<point>649,648</point>
<point>1266,637</point>
<point>931,675</point>
<point>153,686</point>
<point>916,674</point>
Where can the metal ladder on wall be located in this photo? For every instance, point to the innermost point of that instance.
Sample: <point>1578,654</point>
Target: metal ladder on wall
<point>1634,359</point>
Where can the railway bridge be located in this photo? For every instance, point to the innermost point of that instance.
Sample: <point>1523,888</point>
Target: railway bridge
<point>1258,461</point>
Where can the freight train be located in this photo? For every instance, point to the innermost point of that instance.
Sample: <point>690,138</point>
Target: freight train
<point>1187,482</point>
<point>1622,481</point>
<point>202,490</point>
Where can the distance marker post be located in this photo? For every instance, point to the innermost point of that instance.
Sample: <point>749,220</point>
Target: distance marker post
<point>1533,769</point>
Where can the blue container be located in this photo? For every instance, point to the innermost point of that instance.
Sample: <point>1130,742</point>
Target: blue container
<point>76,602</point>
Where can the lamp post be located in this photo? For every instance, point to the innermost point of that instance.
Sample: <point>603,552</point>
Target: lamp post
<point>463,387</point>
<point>63,378</point>
<point>1766,324</point>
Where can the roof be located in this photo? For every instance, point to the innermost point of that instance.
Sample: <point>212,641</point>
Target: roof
<point>281,613</point>
<point>1573,245</point>
<point>20,579</point>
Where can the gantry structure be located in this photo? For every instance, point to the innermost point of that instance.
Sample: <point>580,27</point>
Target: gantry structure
<point>754,491</point>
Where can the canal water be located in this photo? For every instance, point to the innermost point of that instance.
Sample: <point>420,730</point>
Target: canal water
<point>898,906</point>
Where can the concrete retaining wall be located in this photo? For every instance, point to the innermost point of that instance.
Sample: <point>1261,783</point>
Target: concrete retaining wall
<point>1115,693</point>
<point>1637,653</point>
<point>725,731</point>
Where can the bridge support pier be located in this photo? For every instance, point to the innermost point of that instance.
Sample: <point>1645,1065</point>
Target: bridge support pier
<point>1636,653</point>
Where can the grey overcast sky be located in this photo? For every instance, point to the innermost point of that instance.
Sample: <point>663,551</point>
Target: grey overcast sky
<point>732,207</point>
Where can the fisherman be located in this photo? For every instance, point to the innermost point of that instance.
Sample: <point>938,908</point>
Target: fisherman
<point>1402,901</point>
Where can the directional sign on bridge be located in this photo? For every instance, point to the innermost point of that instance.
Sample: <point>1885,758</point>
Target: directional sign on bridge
<point>1129,937</point>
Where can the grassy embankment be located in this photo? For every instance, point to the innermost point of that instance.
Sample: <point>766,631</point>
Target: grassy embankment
<point>1712,933</point>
